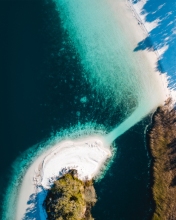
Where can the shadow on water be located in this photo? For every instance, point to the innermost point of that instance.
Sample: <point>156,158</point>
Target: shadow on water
<point>31,212</point>
<point>34,207</point>
<point>162,35</point>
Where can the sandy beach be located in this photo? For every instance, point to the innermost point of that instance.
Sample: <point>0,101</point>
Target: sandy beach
<point>136,29</point>
<point>86,155</point>
<point>153,55</point>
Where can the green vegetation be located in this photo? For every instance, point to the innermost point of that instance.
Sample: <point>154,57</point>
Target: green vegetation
<point>70,198</point>
<point>163,147</point>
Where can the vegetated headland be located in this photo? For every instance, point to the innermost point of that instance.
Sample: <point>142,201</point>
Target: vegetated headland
<point>162,142</point>
<point>70,198</point>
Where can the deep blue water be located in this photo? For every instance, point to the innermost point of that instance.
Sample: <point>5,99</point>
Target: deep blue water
<point>43,91</point>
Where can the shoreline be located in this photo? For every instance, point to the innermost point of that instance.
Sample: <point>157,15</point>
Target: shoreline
<point>138,33</point>
<point>37,182</point>
<point>161,141</point>
<point>137,16</point>
<point>142,24</point>
<point>148,55</point>
<point>136,8</point>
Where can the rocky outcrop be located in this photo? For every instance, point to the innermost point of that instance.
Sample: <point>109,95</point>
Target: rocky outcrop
<point>70,198</point>
<point>162,141</point>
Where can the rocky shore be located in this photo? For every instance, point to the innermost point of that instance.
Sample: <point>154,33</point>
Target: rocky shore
<point>70,198</point>
<point>162,142</point>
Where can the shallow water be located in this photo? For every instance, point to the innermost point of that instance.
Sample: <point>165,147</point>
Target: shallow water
<point>46,88</point>
<point>98,33</point>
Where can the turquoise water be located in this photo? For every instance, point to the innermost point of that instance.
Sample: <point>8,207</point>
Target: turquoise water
<point>100,43</point>
<point>109,63</point>
<point>22,163</point>
<point>93,77</point>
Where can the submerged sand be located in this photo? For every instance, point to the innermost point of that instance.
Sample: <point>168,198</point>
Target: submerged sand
<point>86,155</point>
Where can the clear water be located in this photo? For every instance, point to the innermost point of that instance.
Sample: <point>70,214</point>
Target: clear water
<point>28,157</point>
<point>109,63</point>
<point>88,73</point>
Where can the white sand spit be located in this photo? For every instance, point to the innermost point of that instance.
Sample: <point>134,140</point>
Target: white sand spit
<point>86,155</point>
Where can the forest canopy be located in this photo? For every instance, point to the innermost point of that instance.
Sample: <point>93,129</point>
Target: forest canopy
<point>70,198</point>
<point>162,141</point>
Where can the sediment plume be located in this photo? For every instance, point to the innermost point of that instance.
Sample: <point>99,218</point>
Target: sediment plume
<point>162,142</point>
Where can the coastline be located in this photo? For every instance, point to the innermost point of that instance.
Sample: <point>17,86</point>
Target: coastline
<point>136,28</point>
<point>161,130</point>
<point>28,182</point>
<point>36,182</point>
<point>162,147</point>
<point>136,10</point>
<point>146,26</point>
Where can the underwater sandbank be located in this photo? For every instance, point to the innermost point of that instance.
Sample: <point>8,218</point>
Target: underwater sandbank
<point>143,85</point>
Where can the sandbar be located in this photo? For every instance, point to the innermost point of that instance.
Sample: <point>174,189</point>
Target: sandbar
<point>86,155</point>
